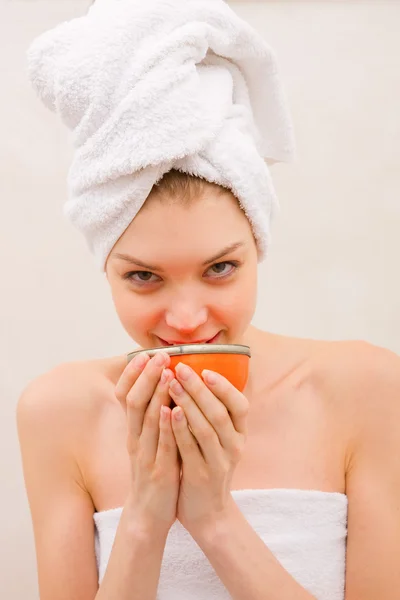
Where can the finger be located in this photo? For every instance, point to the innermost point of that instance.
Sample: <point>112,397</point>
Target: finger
<point>149,438</point>
<point>235,402</point>
<point>142,392</point>
<point>215,412</point>
<point>129,377</point>
<point>214,387</point>
<point>186,442</point>
<point>167,450</point>
<point>200,428</point>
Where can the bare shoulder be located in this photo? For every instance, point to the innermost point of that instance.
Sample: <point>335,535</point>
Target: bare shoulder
<point>356,367</point>
<point>71,395</point>
<point>83,381</point>
<point>354,377</point>
<point>361,382</point>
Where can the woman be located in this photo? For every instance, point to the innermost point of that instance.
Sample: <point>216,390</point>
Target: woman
<point>290,490</point>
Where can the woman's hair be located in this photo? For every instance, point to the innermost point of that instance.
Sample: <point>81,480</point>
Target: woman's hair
<point>183,188</point>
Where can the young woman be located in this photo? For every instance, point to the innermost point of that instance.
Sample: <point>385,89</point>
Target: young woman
<point>289,490</point>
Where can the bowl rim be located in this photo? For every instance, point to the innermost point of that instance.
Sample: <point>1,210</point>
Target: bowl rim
<point>187,349</point>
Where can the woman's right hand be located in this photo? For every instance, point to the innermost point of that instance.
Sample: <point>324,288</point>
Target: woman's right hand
<point>143,389</point>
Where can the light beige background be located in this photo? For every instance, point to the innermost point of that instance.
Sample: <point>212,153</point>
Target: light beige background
<point>333,271</point>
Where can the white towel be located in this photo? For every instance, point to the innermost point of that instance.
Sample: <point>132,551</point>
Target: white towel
<point>147,86</point>
<point>305,530</point>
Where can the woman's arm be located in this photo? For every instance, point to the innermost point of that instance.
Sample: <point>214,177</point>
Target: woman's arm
<point>133,570</point>
<point>49,417</point>
<point>245,565</point>
<point>373,481</point>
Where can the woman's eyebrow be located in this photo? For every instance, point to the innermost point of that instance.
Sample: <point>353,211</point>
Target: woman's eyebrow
<point>224,251</point>
<point>140,263</point>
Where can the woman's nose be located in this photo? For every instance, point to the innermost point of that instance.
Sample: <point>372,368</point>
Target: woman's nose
<point>186,319</point>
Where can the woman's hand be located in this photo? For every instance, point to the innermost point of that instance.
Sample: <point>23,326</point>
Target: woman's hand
<point>217,415</point>
<point>143,390</point>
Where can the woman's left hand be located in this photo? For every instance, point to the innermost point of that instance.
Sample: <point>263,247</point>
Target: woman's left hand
<point>217,414</point>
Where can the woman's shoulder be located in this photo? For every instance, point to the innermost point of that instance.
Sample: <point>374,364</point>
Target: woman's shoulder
<point>355,379</point>
<point>355,373</point>
<point>354,386</point>
<point>342,361</point>
<point>352,366</point>
<point>76,390</point>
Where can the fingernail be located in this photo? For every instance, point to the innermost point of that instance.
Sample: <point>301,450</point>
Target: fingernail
<point>210,377</point>
<point>178,414</point>
<point>140,360</point>
<point>164,413</point>
<point>159,359</point>
<point>176,387</point>
<point>184,371</point>
<point>164,376</point>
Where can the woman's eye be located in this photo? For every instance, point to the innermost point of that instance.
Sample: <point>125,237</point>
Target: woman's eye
<point>217,271</point>
<point>223,269</point>
<point>141,277</point>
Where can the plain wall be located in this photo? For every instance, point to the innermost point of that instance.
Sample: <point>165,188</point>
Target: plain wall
<point>333,270</point>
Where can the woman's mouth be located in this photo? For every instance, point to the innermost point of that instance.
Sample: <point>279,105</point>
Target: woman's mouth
<point>182,342</point>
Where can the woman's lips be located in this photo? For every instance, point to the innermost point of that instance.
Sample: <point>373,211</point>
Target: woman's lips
<point>179,343</point>
<point>214,339</point>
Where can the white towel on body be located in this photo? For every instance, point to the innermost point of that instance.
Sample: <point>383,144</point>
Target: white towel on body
<point>305,530</point>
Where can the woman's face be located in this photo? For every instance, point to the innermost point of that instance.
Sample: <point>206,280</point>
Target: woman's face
<point>185,273</point>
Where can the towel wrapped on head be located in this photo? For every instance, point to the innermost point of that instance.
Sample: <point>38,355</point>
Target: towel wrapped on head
<point>150,86</point>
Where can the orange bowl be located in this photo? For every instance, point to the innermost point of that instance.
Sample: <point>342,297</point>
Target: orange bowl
<point>231,361</point>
